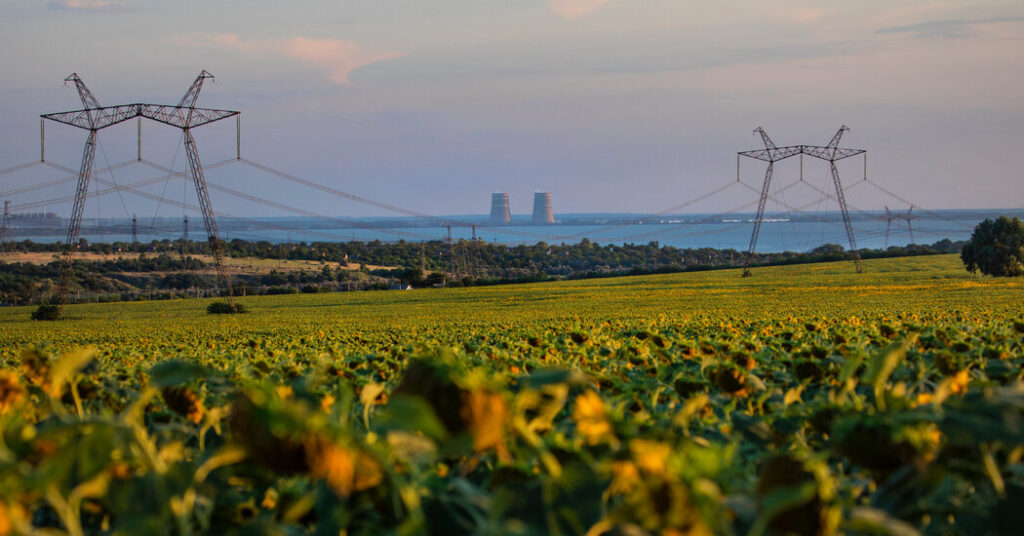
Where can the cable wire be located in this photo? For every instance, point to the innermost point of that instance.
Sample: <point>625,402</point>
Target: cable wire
<point>19,167</point>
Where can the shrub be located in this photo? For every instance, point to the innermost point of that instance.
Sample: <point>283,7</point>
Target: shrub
<point>48,312</point>
<point>224,308</point>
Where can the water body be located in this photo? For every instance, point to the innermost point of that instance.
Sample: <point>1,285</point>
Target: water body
<point>779,232</point>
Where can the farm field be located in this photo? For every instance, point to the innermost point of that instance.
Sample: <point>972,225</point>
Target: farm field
<point>235,265</point>
<point>807,399</point>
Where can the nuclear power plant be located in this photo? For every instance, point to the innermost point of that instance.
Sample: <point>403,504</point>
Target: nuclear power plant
<point>500,214</point>
<point>542,213</point>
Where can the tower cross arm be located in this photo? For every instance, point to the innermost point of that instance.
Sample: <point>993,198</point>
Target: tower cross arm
<point>830,153</point>
<point>100,118</point>
<point>773,154</point>
<point>96,118</point>
<point>172,115</point>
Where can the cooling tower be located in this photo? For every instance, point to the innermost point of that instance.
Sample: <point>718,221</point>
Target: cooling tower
<point>542,212</point>
<point>499,209</point>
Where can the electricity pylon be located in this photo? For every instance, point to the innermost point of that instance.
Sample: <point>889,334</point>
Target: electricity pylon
<point>889,217</point>
<point>771,153</point>
<point>3,225</point>
<point>93,118</point>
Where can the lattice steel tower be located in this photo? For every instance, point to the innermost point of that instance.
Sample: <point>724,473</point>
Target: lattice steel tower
<point>3,225</point>
<point>94,118</point>
<point>831,153</point>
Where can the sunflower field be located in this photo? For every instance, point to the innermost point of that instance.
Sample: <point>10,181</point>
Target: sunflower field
<point>804,400</point>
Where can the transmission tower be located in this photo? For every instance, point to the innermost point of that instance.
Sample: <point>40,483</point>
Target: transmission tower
<point>93,118</point>
<point>135,230</point>
<point>453,268</point>
<point>890,217</point>
<point>3,226</point>
<point>771,153</point>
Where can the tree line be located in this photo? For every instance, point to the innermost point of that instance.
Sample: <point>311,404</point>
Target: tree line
<point>169,268</point>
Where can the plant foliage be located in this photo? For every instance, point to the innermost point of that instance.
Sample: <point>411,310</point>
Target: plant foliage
<point>224,308</point>
<point>869,409</point>
<point>996,248</point>
<point>48,312</point>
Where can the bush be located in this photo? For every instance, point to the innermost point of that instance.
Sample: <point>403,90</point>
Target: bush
<point>996,248</point>
<point>48,312</point>
<point>224,308</point>
<point>281,290</point>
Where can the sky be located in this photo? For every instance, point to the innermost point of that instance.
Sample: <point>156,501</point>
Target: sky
<point>611,105</point>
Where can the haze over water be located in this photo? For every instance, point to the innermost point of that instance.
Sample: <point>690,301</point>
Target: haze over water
<point>779,232</point>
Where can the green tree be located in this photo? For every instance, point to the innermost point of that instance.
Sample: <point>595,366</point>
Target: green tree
<point>996,248</point>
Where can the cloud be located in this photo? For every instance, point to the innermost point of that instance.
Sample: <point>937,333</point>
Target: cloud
<point>337,57</point>
<point>947,29</point>
<point>570,9</point>
<point>84,5</point>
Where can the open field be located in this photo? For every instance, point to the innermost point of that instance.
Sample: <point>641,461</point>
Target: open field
<point>807,399</point>
<point>929,286</point>
<point>235,265</point>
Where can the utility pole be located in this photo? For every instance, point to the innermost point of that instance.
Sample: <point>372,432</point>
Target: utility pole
<point>475,269</point>
<point>423,259</point>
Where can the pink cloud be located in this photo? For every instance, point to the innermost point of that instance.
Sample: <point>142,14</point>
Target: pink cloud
<point>337,57</point>
<point>83,5</point>
<point>570,9</point>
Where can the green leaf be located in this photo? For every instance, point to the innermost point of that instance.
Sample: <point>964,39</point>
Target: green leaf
<point>413,414</point>
<point>66,367</point>
<point>872,521</point>
<point>366,397</point>
<point>175,372</point>
<point>540,378</point>
<point>882,366</point>
<point>780,500</point>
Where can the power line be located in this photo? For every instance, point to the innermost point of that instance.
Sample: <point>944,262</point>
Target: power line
<point>61,180</point>
<point>19,167</point>
<point>295,210</point>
